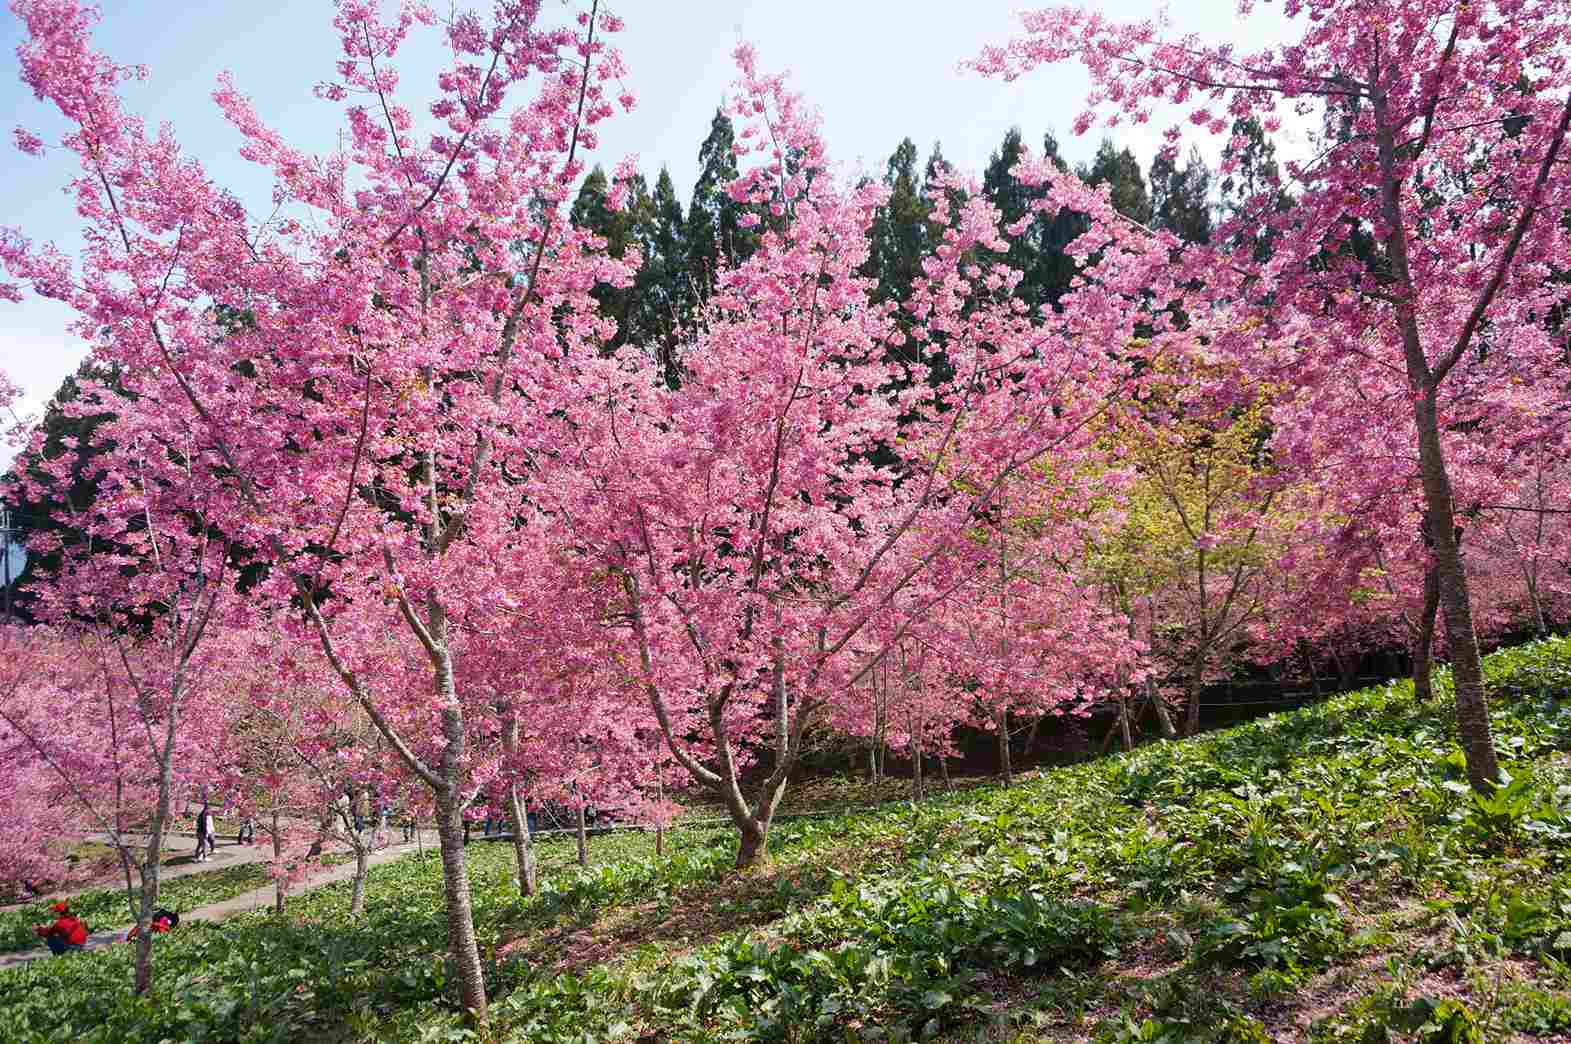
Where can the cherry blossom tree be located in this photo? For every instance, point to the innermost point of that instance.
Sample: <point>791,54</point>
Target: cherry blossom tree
<point>1361,572</point>
<point>354,381</point>
<point>305,760</point>
<point>1522,531</point>
<point>144,628</point>
<point>1425,228</point>
<point>805,487</point>
<point>101,731</point>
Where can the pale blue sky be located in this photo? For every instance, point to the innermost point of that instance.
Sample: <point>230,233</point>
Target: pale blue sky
<point>878,70</point>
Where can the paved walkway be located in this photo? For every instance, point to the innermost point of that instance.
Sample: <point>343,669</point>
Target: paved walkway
<point>224,855</point>
<point>256,899</point>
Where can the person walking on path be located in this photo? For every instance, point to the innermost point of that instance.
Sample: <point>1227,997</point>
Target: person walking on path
<point>204,834</point>
<point>66,934</point>
<point>247,833</point>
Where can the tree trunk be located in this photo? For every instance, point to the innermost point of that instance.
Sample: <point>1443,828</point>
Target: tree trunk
<point>1424,643</point>
<point>753,826</point>
<point>943,772</point>
<point>1196,683</point>
<point>1314,672</point>
<point>1467,674</point>
<point>1344,672</point>
<point>518,813</point>
<point>1001,713</point>
<point>143,976</point>
<point>752,849</point>
<point>1036,724</point>
<point>357,889</point>
<point>752,822</point>
<point>523,844</point>
<point>1530,569</point>
<point>361,811</point>
<point>1123,721</point>
<point>583,840</point>
<point>916,770</point>
<point>1164,720</point>
<point>659,821</point>
<point>461,944</point>
<point>153,858</point>
<point>1531,576</point>
<point>880,726</point>
<point>278,849</point>
<point>1006,769</point>
<point>1472,710</point>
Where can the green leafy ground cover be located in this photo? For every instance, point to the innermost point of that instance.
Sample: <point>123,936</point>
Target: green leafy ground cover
<point>1323,875</point>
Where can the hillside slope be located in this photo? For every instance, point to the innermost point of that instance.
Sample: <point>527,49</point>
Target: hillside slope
<point>1322,875</point>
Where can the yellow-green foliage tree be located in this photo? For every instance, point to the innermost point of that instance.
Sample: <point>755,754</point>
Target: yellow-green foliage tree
<point>1195,514</point>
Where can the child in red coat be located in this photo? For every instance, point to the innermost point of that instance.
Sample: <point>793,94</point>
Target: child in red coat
<point>67,933</point>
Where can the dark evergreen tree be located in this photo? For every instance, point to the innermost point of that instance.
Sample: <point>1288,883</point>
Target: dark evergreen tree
<point>1049,276</point>
<point>1119,168</point>
<point>669,289</point>
<point>713,233</point>
<point>1252,185</point>
<point>940,371</point>
<point>619,228</point>
<point>651,312</point>
<point>1181,197</point>
<point>930,189</point>
<point>935,161</point>
<point>1012,198</point>
<point>899,233</point>
<point>640,320</point>
<point>45,497</point>
<point>1254,171</point>
<point>1038,252</point>
<point>592,211</point>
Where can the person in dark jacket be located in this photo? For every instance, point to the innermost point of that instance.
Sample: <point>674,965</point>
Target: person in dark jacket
<point>66,934</point>
<point>204,834</point>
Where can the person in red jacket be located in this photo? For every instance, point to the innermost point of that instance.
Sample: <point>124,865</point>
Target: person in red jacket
<point>66,934</point>
<point>163,921</point>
